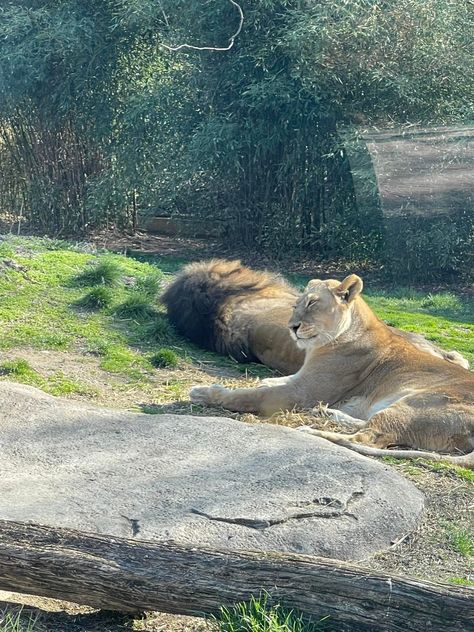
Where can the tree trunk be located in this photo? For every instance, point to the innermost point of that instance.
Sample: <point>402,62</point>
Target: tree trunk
<point>130,575</point>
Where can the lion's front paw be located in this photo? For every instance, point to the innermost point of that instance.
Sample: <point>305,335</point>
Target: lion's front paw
<point>207,394</point>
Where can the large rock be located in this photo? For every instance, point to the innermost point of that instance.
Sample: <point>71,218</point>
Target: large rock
<point>204,481</point>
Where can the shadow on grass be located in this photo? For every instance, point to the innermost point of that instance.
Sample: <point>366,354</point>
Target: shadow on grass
<point>32,619</point>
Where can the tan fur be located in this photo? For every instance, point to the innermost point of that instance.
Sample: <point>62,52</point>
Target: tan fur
<point>227,307</point>
<point>378,385</point>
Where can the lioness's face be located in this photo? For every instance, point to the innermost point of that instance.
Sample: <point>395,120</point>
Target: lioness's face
<point>324,311</point>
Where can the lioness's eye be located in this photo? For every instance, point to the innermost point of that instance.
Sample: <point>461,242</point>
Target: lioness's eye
<point>312,302</point>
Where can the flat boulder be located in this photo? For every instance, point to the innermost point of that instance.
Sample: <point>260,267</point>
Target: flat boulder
<point>205,481</point>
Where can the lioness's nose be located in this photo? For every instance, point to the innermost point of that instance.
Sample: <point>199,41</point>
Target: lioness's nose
<point>294,328</point>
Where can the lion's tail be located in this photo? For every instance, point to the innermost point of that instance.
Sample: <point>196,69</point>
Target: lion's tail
<point>461,460</point>
<point>195,302</point>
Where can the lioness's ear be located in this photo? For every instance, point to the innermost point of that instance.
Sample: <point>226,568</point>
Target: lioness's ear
<point>312,284</point>
<point>350,288</point>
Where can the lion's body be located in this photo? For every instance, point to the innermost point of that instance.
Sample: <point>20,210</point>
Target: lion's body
<point>226,307</point>
<point>378,385</point>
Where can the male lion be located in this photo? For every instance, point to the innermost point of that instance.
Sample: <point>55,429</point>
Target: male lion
<point>226,307</point>
<point>378,385</point>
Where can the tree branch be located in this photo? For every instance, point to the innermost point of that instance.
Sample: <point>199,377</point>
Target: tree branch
<point>216,48</point>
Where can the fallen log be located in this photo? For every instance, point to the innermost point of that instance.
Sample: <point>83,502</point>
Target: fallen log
<point>131,575</point>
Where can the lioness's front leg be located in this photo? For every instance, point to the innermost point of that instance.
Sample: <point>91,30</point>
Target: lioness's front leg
<point>263,400</point>
<point>275,381</point>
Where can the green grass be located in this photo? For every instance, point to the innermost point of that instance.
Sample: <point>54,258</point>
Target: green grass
<point>16,368</point>
<point>149,285</point>
<point>122,359</point>
<point>158,330</point>
<point>461,581</point>
<point>459,539</point>
<point>164,358</point>
<point>137,306</point>
<point>417,467</point>
<point>258,615</point>
<point>106,272</point>
<point>56,383</point>
<point>13,621</point>
<point>39,305</point>
<point>98,298</point>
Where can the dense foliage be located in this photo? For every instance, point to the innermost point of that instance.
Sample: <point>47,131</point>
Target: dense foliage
<point>97,119</point>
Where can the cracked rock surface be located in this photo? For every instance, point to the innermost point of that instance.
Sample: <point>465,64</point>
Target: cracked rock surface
<point>203,481</point>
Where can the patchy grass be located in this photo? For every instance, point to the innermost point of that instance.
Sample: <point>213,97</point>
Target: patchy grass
<point>42,283</point>
<point>460,539</point>
<point>16,368</point>
<point>158,330</point>
<point>416,467</point>
<point>257,615</point>
<point>56,383</point>
<point>461,581</point>
<point>149,285</point>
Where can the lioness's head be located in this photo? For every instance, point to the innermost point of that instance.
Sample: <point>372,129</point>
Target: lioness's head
<point>324,312</point>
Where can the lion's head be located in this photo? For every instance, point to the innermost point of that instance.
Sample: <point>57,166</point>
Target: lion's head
<point>324,311</point>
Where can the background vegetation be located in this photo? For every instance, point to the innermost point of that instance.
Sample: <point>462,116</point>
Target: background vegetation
<point>98,120</point>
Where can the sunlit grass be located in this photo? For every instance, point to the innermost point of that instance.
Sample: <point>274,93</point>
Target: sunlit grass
<point>460,540</point>
<point>258,615</point>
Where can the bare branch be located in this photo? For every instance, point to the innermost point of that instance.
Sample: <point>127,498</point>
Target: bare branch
<point>216,48</point>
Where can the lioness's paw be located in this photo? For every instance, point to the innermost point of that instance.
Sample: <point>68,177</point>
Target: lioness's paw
<point>207,394</point>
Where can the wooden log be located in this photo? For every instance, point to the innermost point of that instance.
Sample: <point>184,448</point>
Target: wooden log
<point>131,575</point>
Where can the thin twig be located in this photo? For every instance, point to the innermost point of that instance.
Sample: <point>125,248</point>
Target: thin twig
<point>216,48</point>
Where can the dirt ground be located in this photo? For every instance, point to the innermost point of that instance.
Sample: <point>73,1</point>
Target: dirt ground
<point>196,249</point>
<point>431,552</point>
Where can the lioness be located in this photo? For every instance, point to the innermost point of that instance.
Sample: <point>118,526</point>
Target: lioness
<point>378,385</point>
<point>227,307</point>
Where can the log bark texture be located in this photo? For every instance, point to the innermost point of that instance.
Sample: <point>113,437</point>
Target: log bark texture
<point>131,575</point>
